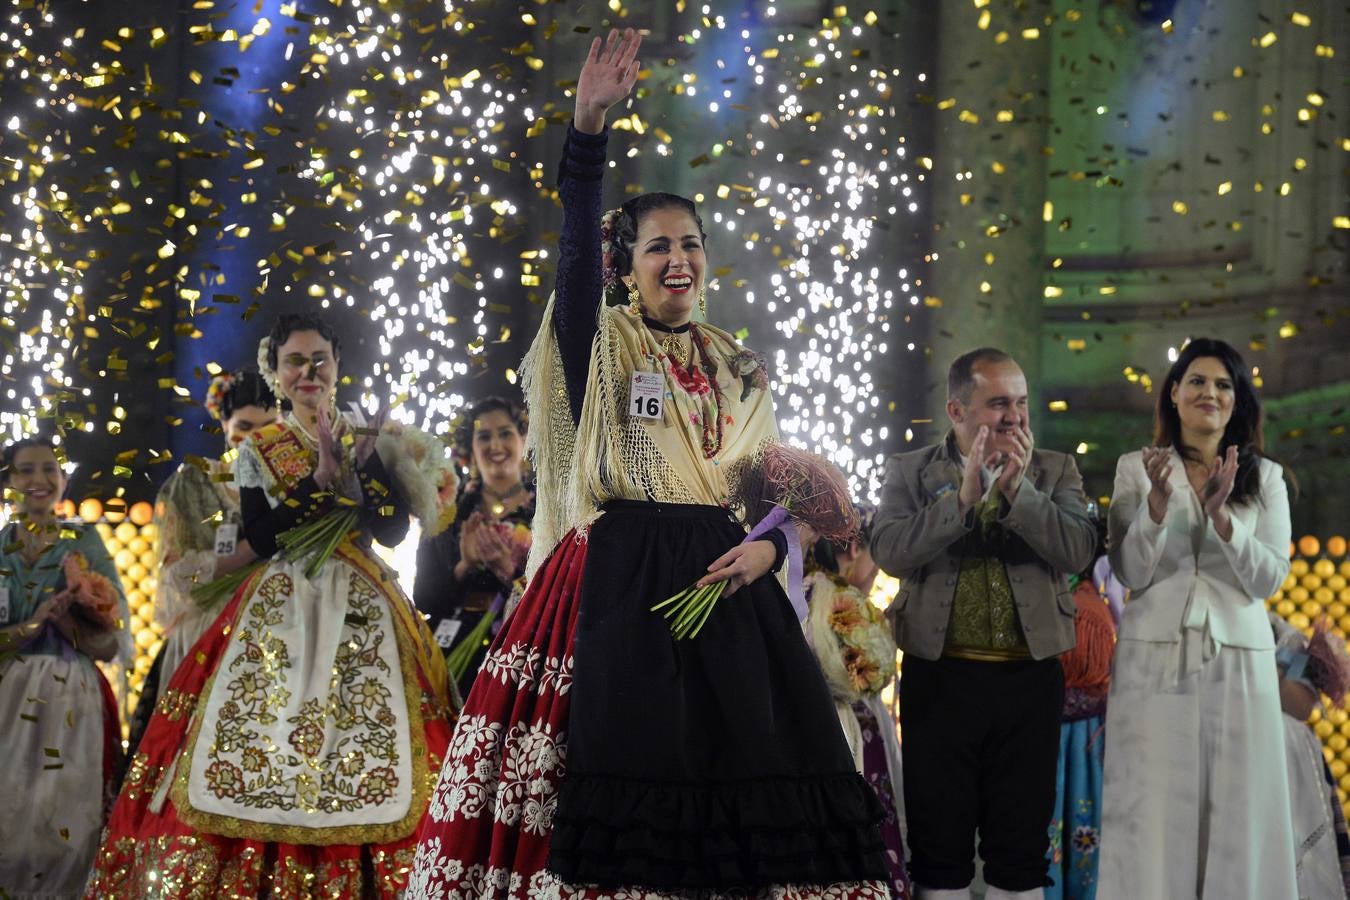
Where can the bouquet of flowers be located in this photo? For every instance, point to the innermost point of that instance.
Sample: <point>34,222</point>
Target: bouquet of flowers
<point>424,469</point>
<point>778,487</point>
<point>851,637</point>
<point>93,593</point>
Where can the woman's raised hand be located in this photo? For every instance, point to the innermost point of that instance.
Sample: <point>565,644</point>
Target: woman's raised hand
<point>607,76</point>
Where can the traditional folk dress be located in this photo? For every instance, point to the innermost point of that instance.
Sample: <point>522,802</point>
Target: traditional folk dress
<point>853,643</point>
<point>190,508</point>
<point>295,749</point>
<point>597,756</point>
<point>1075,830</point>
<point>192,505</point>
<point>60,736</point>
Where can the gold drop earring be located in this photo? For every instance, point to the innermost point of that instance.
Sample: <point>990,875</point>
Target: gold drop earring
<point>703,300</point>
<point>634,300</point>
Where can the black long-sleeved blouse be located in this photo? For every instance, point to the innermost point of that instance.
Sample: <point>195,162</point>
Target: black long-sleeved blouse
<point>578,286</point>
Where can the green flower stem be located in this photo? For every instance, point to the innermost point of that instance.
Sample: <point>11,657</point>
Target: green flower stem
<point>691,610</point>
<point>675,599</point>
<point>707,610</point>
<point>212,594</point>
<point>462,655</point>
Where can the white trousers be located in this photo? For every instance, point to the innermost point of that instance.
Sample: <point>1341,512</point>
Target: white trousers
<point>1196,796</point>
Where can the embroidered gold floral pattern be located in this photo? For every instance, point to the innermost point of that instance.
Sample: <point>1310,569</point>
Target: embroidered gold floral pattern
<point>174,705</point>
<point>141,776</point>
<point>341,753</point>
<point>200,869</point>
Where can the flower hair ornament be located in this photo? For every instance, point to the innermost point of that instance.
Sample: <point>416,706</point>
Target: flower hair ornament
<point>220,388</point>
<point>609,272</point>
<point>265,369</point>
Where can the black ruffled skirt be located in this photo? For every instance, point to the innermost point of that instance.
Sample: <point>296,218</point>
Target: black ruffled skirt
<point>715,762</point>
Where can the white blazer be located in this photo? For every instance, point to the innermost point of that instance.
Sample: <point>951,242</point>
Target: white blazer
<point>1183,577</point>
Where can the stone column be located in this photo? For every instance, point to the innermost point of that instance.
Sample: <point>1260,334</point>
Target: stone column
<point>988,186</point>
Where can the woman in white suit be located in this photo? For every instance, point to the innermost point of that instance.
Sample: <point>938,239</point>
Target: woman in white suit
<point>1196,797</point>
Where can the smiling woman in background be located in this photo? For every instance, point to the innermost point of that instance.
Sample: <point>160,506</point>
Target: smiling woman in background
<point>465,573</point>
<point>1196,795</point>
<point>61,608</point>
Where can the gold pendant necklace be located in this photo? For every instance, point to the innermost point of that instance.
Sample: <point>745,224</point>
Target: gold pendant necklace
<point>671,344</point>
<point>675,349</point>
<point>497,502</point>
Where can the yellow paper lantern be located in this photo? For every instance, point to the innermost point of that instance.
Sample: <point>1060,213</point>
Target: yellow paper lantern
<point>141,513</point>
<point>91,510</point>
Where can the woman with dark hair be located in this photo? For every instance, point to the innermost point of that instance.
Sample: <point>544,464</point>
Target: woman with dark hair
<point>197,520</point>
<point>61,608</point>
<point>597,755</point>
<point>293,750</point>
<point>1196,797</point>
<point>466,574</point>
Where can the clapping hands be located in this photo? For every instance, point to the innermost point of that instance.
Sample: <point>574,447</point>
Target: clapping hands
<point>1158,468</point>
<point>1218,488</point>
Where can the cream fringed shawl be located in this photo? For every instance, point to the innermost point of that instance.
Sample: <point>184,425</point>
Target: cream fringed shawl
<point>614,455</point>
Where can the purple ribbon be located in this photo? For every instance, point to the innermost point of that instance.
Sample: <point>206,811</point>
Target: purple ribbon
<point>778,518</point>
<point>498,604</point>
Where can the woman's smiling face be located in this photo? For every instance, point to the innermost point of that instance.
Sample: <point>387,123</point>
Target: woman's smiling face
<point>668,264</point>
<point>36,480</point>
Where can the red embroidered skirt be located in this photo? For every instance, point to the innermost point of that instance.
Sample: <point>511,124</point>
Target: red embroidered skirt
<point>496,820</point>
<point>148,850</point>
